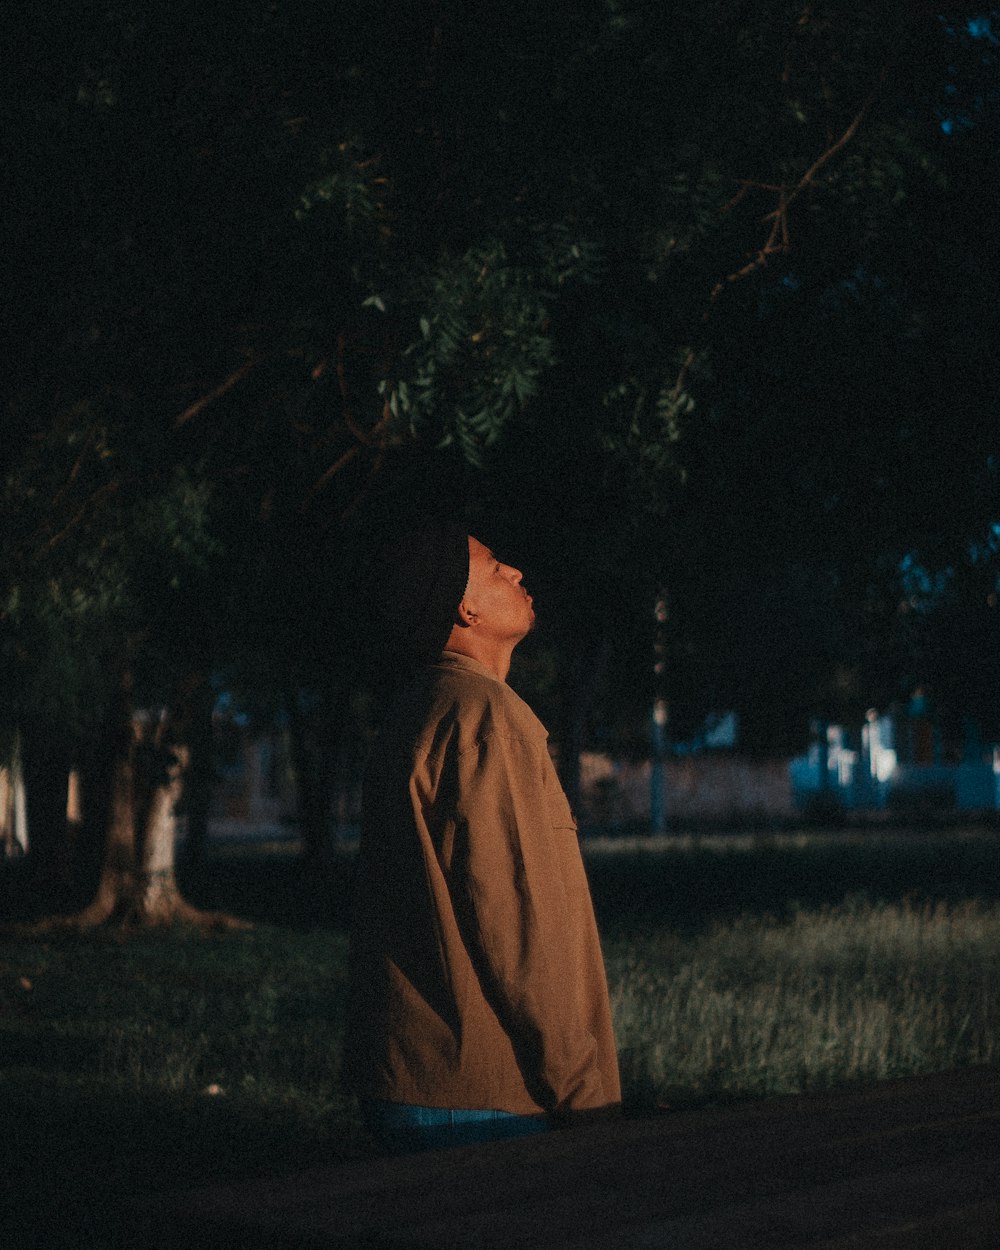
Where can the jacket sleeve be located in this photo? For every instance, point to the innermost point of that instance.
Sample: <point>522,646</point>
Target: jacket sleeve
<point>521,895</point>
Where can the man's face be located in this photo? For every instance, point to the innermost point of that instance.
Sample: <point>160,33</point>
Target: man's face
<point>495,595</point>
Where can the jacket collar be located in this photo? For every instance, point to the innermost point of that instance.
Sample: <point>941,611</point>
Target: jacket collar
<point>452,659</point>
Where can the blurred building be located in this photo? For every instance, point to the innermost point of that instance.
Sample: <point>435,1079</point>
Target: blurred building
<point>704,788</point>
<point>895,760</point>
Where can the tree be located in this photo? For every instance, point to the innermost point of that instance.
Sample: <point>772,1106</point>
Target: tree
<point>851,436</point>
<point>282,277</point>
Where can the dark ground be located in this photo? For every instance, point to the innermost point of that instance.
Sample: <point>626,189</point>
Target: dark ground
<point>911,1164</point>
<point>905,1165</point>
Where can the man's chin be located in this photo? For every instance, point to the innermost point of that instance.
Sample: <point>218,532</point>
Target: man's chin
<point>528,629</point>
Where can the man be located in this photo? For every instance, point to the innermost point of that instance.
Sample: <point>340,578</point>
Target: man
<point>479,1005</point>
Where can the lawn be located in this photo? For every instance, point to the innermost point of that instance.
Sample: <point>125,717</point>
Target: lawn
<point>738,967</point>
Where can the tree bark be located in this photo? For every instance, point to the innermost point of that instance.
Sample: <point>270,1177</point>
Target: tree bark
<point>138,884</point>
<point>14,838</point>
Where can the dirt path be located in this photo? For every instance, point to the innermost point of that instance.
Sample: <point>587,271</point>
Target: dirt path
<point>907,1165</point>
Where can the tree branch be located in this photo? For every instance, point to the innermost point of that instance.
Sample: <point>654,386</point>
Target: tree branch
<point>74,472</point>
<point>332,471</point>
<point>342,461</point>
<point>810,174</point>
<point>107,489</point>
<point>779,238</point>
<point>213,395</point>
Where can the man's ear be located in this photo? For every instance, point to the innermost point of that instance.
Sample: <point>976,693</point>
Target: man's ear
<point>464,616</point>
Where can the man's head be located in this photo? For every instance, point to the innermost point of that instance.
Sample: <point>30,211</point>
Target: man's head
<point>495,610</point>
<point>438,588</point>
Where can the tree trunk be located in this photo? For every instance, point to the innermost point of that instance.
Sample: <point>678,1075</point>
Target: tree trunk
<point>118,864</point>
<point>155,898</point>
<point>13,808</point>
<point>138,884</point>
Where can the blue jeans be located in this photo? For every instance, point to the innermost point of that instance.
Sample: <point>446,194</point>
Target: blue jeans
<point>403,1128</point>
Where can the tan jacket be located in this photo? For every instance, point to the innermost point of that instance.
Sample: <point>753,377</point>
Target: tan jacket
<point>477,980</point>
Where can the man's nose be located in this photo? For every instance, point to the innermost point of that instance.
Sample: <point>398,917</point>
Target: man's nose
<point>515,575</point>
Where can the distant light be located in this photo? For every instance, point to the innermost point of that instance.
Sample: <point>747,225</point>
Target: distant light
<point>981,28</point>
<point>947,125</point>
<point>877,737</point>
<point>885,763</point>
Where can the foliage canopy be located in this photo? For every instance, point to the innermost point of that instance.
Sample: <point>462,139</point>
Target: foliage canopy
<point>661,291</point>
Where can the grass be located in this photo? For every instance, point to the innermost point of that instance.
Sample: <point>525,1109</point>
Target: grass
<point>739,967</point>
<point>758,1006</point>
<point>748,965</point>
<point>257,1015</point>
<point>163,1062</point>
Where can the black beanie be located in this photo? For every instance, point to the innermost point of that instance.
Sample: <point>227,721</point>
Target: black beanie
<point>416,582</point>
